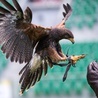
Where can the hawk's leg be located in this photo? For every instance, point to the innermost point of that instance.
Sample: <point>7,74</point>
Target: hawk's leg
<point>59,64</point>
<point>67,68</point>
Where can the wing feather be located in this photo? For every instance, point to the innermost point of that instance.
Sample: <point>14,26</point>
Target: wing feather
<point>10,43</point>
<point>68,11</point>
<point>17,51</point>
<point>15,23</point>
<point>3,10</point>
<point>8,5</point>
<point>2,15</point>
<point>17,6</point>
<point>12,49</point>
<point>6,36</point>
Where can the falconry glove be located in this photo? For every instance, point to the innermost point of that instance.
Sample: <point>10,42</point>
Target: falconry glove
<point>92,76</point>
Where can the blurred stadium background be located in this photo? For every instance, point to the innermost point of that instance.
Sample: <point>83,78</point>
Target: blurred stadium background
<point>84,25</point>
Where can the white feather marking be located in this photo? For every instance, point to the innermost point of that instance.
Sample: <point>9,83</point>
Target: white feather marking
<point>35,62</point>
<point>34,49</point>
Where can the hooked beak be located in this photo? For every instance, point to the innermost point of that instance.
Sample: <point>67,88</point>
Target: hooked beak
<point>72,40</point>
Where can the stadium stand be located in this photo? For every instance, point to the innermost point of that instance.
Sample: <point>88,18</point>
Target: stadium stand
<point>84,14</point>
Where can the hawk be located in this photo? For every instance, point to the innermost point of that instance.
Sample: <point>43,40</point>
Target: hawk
<point>37,46</point>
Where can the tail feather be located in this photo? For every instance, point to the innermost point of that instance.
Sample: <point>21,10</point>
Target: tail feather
<point>32,72</point>
<point>35,78</point>
<point>45,67</point>
<point>25,81</point>
<point>28,77</point>
<point>30,83</point>
<point>22,76</point>
<point>40,71</point>
<point>23,69</point>
<point>51,65</point>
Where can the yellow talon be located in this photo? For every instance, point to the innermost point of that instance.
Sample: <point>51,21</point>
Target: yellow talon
<point>76,58</point>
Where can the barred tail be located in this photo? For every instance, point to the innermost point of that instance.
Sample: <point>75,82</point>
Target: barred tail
<point>29,78</point>
<point>32,74</point>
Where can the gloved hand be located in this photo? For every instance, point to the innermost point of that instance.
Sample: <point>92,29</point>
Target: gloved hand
<point>92,76</point>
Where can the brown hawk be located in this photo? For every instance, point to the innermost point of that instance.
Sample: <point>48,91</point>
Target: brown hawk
<point>35,45</point>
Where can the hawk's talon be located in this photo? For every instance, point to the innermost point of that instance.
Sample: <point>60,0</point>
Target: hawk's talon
<point>72,61</point>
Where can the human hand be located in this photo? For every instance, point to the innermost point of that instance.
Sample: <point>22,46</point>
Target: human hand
<point>92,76</point>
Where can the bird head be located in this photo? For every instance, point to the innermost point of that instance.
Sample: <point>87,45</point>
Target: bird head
<point>28,15</point>
<point>62,33</point>
<point>67,34</point>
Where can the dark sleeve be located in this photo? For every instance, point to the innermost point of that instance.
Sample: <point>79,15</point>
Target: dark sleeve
<point>92,76</point>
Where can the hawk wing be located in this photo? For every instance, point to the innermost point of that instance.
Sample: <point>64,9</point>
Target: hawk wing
<point>17,35</point>
<point>67,12</point>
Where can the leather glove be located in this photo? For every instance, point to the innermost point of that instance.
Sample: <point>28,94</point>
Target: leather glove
<point>92,76</point>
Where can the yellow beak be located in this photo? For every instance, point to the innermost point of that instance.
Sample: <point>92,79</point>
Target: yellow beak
<point>72,40</point>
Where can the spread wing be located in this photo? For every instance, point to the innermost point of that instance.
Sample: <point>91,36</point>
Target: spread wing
<point>17,35</point>
<point>67,12</point>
